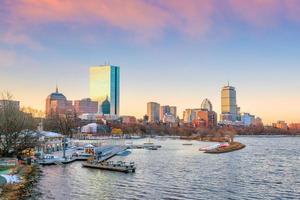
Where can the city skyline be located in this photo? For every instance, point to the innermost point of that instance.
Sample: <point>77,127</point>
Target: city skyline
<point>178,58</point>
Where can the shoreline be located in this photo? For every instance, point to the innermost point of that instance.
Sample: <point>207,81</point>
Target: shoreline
<point>30,176</point>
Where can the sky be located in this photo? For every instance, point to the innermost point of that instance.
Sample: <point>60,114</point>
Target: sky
<point>171,51</point>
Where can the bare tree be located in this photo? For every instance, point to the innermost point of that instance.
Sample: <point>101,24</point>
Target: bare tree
<point>16,128</point>
<point>67,124</point>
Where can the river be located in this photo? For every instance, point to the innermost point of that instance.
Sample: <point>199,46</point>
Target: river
<point>268,168</point>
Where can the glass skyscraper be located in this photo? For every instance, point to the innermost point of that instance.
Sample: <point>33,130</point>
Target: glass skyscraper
<point>228,104</point>
<point>105,84</point>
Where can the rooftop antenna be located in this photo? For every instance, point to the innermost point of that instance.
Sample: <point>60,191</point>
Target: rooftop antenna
<point>56,88</point>
<point>228,83</point>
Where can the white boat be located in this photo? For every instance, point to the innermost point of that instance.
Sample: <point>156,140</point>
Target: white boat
<point>49,159</point>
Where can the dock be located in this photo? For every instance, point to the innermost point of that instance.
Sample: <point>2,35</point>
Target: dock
<point>103,154</point>
<point>114,152</point>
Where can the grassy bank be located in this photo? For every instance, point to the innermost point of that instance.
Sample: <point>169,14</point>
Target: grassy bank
<point>29,175</point>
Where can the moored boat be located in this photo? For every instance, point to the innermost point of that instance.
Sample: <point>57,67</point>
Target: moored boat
<point>111,166</point>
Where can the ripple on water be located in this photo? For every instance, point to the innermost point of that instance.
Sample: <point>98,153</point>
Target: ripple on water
<point>268,168</point>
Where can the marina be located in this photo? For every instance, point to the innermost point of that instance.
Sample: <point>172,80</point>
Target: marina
<point>183,172</point>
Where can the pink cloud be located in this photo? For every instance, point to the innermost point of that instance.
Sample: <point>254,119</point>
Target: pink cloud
<point>145,19</point>
<point>257,12</point>
<point>292,9</point>
<point>141,17</point>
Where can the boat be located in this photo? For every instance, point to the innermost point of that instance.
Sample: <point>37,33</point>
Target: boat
<point>111,166</point>
<point>151,148</point>
<point>210,147</point>
<point>49,159</point>
<point>187,144</point>
<point>82,156</point>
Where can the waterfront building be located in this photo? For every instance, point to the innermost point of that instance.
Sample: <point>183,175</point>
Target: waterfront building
<point>128,120</point>
<point>57,103</point>
<point>11,103</point>
<point>85,106</point>
<point>105,85</point>
<point>50,141</point>
<point>173,111</point>
<point>280,125</point>
<point>162,111</point>
<point>229,107</point>
<point>248,119</point>
<point>153,111</point>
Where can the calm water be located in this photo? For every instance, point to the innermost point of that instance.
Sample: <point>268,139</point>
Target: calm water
<point>268,168</point>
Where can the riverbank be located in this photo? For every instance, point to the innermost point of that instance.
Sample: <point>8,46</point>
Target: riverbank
<point>29,176</point>
<point>233,146</point>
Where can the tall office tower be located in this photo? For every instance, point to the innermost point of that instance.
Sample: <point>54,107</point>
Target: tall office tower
<point>173,111</point>
<point>228,103</point>
<point>163,110</point>
<point>105,85</point>
<point>153,111</point>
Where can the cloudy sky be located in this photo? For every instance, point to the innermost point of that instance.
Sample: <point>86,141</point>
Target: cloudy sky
<point>171,51</point>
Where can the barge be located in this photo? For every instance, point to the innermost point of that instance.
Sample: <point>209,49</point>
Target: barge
<point>111,166</point>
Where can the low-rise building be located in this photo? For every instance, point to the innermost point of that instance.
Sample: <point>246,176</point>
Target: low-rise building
<point>15,104</point>
<point>50,141</point>
<point>248,119</point>
<point>85,106</point>
<point>294,126</point>
<point>128,119</point>
<point>280,125</point>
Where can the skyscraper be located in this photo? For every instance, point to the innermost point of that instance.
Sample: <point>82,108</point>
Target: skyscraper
<point>173,111</point>
<point>228,103</point>
<point>163,110</point>
<point>153,111</point>
<point>105,84</point>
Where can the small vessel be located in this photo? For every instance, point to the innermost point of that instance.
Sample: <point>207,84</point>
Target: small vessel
<point>111,166</point>
<point>49,159</point>
<point>151,148</point>
<point>209,147</point>
<point>187,144</point>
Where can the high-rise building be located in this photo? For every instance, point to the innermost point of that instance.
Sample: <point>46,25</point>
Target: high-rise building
<point>206,105</point>
<point>105,84</point>
<point>205,117</point>
<point>85,106</point>
<point>57,103</point>
<point>162,111</point>
<point>228,104</point>
<point>153,109</point>
<point>173,111</point>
